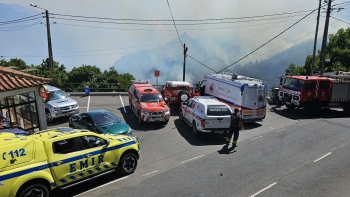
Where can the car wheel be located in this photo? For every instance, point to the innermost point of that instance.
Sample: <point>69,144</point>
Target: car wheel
<point>49,117</point>
<point>314,108</point>
<point>290,107</point>
<point>127,164</point>
<point>130,106</point>
<point>183,96</point>
<point>194,129</point>
<point>35,190</point>
<point>181,117</point>
<point>139,119</point>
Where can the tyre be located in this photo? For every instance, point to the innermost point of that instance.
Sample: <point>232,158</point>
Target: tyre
<point>49,117</point>
<point>313,108</point>
<point>130,106</point>
<point>290,107</point>
<point>181,117</point>
<point>183,96</point>
<point>139,119</point>
<point>194,129</point>
<point>347,108</point>
<point>127,164</point>
<point>33,189</point>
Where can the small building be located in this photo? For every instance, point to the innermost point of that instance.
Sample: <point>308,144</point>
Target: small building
<point>22,98</point>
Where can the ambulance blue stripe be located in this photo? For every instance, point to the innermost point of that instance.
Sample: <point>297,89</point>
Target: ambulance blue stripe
<point>53,164</point>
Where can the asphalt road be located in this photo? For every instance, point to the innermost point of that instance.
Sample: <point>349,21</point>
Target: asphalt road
<point>288,154</point>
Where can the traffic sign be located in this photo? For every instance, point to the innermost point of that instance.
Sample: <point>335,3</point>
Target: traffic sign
<point>156,73</point>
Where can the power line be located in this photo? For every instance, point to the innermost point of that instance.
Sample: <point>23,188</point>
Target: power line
<point>268,41</point>
<point>341,20</point>
<point>200,29</point>
<point>184,24</point>
<point>210,19</point>
<point>21,27</point>
<point>9,22</point>
<point>201,63</point>
<point>23,21</point>
<point>174,23</point>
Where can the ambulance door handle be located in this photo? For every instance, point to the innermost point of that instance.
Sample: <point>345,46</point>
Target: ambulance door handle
<point>13,161</point>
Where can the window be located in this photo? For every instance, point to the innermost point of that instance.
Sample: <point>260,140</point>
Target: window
<point>218,110</point>
<point>58,94</point>
<point>309,85</point>
<point>324,84</point>
<point>293,84</point>
<point>105,119</point>
<point>65,146</point>
<point>189,102</point>
<point>92,141</point>
<point>151,98</point>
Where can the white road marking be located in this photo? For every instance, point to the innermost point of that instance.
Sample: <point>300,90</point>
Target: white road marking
<point>122,103</point>
<point>280,130</point>
<point>323,157</point>
<point>256,137</point>
<point>268,116</point>
<point>103,185</point>
<point>303,123</point>
<point>272,128</point>
<point>263,189</point>
<point>150,173</point>
<point>88,104</point>
<point>193,158</point>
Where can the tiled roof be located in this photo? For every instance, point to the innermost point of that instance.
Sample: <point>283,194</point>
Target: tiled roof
<point>12,79</point>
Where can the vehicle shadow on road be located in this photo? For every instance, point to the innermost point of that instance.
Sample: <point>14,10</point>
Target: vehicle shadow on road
<point>297,114</point>
<point>202,140</point>
<point>131,119</point>
<point>86,186</point>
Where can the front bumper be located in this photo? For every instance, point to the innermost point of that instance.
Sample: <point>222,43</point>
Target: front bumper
<point>59,113</point>
<point>155,116</point>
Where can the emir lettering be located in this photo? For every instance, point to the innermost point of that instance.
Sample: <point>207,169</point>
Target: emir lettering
<point>85,163</point>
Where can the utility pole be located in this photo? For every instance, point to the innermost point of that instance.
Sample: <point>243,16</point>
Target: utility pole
<point>325,35</point>
<point>313,55</point>
<point>49,40</point>
<point>184,68</point>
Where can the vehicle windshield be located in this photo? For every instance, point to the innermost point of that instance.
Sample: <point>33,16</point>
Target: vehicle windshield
<point>151,98</point>
<point>57,94</point>
<point>293,84</point>
<point>105,119</point>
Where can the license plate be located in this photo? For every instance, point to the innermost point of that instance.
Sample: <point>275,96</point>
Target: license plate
<point>220,132</point>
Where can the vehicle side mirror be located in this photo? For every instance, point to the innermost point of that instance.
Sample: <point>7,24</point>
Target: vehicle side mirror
<point>184,103</point>
<point>108,142</point>
<point>165,99</point>
<point>68,95</point>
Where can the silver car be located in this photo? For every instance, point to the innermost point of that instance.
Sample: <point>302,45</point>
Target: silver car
<point>59,104</point>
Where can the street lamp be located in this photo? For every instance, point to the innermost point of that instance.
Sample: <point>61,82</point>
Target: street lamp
<point>48,36</point>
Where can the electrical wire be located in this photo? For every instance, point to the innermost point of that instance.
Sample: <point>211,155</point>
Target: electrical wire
<point>268,41</point>
<point>174,23</point>
<point>23,21</point>
<point>192,20</point>
<point>184,24</point>
<point>201,63</point>
<point>9,22</point>
<point>22,27</point>
<point>340,20</point>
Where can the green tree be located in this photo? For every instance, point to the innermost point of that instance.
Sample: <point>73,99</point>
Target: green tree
<point>337,50</point>
<point>295,70</point>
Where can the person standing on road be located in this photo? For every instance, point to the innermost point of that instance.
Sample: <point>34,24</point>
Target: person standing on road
<point>236,123</point>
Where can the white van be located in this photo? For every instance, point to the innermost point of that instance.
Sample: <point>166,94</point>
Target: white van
<point>245,93</point>
<point>205,114</point>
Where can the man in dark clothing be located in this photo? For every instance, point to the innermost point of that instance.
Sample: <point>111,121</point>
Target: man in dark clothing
<point>236,123</point>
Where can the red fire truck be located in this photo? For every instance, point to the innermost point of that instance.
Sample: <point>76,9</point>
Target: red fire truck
<point>331,90</point>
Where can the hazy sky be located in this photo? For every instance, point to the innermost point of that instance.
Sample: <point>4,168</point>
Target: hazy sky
<point>102,44</point>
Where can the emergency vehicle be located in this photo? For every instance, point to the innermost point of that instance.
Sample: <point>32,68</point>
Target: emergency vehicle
<point>177,92</point>
<point>59,158</point>
<point>331,90</point>
<point>246,94</point>
<point>147,103</point>
<point>206,114</point>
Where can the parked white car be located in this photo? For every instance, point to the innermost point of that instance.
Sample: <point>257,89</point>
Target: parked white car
<point>206,114</point>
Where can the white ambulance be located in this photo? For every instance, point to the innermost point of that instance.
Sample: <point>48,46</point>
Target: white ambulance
<point>245,93</point>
